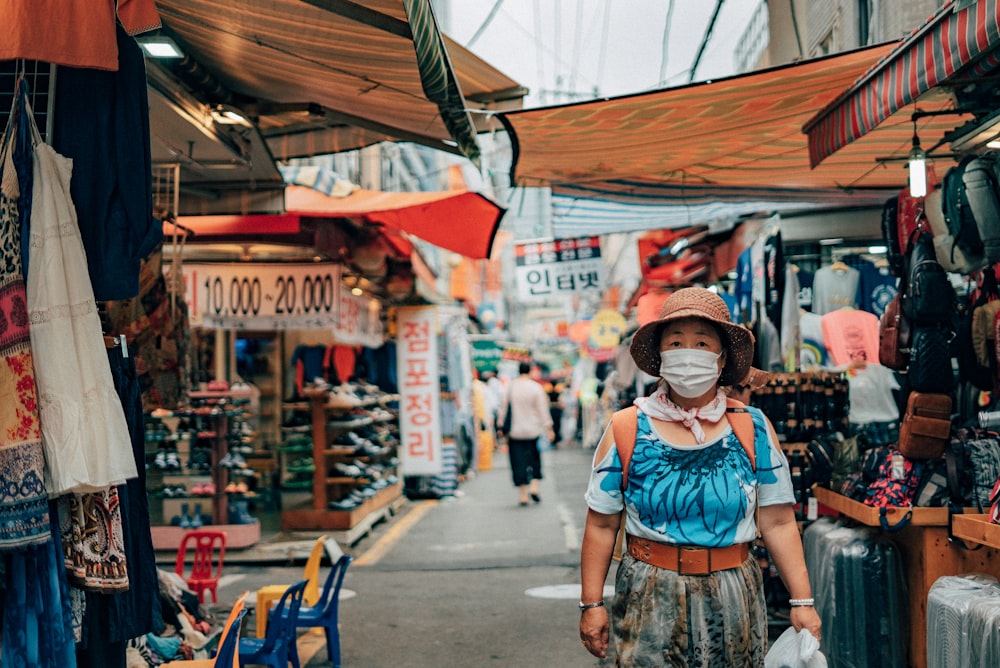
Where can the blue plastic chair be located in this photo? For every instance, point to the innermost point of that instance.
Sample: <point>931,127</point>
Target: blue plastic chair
<point>325,612</point>
<point>278,646</point>
<point>225,657</point>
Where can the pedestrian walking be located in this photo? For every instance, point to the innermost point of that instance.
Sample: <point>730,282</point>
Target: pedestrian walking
<point>699,483</point>
<point>529,421</point>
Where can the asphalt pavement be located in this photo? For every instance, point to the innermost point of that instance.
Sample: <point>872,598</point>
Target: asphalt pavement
<point>469,580</point>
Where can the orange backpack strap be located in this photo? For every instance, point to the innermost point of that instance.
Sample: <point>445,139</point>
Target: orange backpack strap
<point>624,425</point>
<point>741,423</point>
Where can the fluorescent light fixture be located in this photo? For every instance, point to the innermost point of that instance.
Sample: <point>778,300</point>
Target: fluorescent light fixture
<point>876,250</point>
<point>160,46</point>
<point>831,242</point>
<point>918,170</point>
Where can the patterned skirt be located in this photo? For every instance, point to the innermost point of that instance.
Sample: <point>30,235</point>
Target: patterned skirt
<point>660,618</point>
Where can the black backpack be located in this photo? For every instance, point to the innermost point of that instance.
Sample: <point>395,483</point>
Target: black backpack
<point>929,298</point>
<point>958,214</point>
<point>890,235</point>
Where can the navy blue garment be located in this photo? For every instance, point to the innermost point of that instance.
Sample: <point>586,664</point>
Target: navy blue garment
<point>102,123</point>
<point>23,164</point>
<point>110,620</point>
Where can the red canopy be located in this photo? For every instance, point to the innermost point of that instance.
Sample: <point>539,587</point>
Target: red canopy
<point>953,38</point>
<point>459,221</point>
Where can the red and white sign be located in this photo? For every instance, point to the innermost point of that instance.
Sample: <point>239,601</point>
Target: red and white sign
<point>419,391</point>
<point>359,322</point>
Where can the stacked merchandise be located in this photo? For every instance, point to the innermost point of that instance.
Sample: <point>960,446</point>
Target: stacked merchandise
<point>963,622</point>
<point>849,569</point>
<point>804,405</point>
<point>200,461</point>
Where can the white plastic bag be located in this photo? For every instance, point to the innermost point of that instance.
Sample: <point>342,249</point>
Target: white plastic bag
<point>795,650</point>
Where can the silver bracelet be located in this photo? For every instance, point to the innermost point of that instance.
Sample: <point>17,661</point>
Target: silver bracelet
<point>802,602</point>
<point>588,606</point>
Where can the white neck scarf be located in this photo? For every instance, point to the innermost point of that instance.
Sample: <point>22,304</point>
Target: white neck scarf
<point>658,405</point>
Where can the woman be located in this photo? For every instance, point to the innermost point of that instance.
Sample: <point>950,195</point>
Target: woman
<point>694,501</point>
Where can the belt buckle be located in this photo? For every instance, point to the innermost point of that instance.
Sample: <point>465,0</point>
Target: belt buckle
<point>689,566</point>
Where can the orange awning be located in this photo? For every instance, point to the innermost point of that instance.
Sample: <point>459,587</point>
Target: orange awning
<point>717,149</point>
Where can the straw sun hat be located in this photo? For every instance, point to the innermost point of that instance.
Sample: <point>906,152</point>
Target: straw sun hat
<point>737,340</point>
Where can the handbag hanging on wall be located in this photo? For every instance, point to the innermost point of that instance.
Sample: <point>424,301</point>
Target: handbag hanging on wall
<point>894,336</point>
<point>926,425</point>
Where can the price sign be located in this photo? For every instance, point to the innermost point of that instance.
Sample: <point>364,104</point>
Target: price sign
<point>263,296</point>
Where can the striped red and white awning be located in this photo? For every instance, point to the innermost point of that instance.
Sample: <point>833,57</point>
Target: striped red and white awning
<point>960,37</point>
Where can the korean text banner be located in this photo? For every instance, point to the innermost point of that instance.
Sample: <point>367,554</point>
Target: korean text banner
<point>556,269</point>
<point>419,391</point>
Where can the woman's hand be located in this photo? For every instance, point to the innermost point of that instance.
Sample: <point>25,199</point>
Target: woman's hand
<point>594,628</point>
<point>806,617</point>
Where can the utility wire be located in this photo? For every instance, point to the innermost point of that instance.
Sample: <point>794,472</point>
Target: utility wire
<point>539,52</point>
<point>576,46</point>
<point>704,41</point>
<point>485,23</point>
<point>602,58</point>
<point>666,37</point>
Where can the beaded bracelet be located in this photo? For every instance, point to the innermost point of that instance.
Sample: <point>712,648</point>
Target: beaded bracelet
<point>801,602</point>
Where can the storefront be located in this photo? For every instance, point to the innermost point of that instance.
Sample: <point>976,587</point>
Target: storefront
<point>832,399</point>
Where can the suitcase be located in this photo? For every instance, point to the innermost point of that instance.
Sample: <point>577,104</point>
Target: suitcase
<point>949,604</point>
<point>849,568</point>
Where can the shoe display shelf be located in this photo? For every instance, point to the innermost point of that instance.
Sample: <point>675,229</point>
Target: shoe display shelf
<point>196,467</point>
<point>928,551</point>
<point>352,461</point>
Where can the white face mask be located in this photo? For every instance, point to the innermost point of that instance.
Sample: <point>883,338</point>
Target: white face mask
<point>688,371</point>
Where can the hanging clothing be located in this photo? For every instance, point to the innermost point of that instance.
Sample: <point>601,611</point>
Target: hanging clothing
<point>80,33</point>
<point>110,620</point>
<point>791,334</point>
<point>101,122</point>
<point>835,288</point>
<point>24,511</point>
<point>37,620</point>
<point>851,335</point>
<point>876,287</point>
<point>84,434</point>
<point>158,334</point>
<point>93,542</point>
<point>307,360</point>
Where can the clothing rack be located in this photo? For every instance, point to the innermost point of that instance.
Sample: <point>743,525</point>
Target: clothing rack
<point>41,78</point>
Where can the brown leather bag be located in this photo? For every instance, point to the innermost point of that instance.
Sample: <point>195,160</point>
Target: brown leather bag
<point>894,336</point>
<point>926,425</point>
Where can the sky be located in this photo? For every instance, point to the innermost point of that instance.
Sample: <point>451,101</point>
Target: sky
<point>565,50</point>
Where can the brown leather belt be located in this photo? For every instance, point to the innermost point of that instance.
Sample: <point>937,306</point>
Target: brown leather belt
<point>687,560</point>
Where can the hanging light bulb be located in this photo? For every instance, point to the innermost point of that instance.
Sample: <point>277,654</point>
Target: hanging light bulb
<point>918,167</point>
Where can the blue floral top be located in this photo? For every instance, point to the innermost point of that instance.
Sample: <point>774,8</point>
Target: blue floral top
<point>693,494</point>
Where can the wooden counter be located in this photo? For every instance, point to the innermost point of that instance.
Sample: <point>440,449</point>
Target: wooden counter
<point>926,552</point>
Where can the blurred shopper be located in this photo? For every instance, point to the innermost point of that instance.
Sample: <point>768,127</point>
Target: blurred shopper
<point>530,420</point>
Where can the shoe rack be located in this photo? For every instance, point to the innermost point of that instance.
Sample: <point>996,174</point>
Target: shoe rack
<point>195,460</point>
<point>354,478</point>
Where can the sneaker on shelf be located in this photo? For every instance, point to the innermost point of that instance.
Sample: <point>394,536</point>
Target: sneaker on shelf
<point>343,504</point>
<point>348,470</point>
